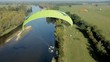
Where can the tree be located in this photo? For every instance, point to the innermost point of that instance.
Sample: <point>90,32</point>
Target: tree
<point>101,48</point>
<point>70,5</point>
<point>96,5</point>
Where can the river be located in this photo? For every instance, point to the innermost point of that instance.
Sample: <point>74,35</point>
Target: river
<point>33,47</point>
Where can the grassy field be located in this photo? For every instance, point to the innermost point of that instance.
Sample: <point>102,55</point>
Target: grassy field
<point>99,16</point>
<point>75,46</point>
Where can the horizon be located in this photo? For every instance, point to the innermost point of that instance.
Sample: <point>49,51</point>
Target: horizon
<point>53,0</point>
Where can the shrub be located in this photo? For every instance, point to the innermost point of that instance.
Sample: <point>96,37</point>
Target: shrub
<point>101,48</point>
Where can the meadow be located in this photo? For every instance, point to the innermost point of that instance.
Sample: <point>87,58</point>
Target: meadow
<point>75,45</point>
<point>94,15</point>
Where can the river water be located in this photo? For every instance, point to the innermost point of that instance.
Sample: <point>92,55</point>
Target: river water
<point>33,47</point>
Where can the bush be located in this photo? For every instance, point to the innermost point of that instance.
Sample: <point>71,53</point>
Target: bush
<point>59,39</point>
<point>101,48</point>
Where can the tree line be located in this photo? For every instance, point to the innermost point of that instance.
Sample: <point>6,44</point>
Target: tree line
<point>12,16</point>
<point>101,46</point>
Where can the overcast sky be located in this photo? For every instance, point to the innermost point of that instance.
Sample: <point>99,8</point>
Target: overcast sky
<point>53,0</point>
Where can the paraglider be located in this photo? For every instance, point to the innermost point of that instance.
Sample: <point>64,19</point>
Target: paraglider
<point>49,13</point>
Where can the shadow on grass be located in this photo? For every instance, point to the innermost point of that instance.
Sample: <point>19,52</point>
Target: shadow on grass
<point>92,49</point>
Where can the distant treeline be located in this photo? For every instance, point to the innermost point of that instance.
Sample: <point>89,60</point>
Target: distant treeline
<point>100,46</point>
<point>12,16</point>
<point>18,8</point>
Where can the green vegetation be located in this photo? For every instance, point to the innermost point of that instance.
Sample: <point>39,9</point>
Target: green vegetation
<point>9,20</point>
<point>72,45</point>
<point>12,16</point>
<point>89,41</point>
<point>101,45</point>
<point>75,46</point>
<point>98,16</point>
<point>59,40</point>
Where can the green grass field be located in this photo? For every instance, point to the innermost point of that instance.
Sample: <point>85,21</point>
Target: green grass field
<point>75,46</point>
<point>99,16</point>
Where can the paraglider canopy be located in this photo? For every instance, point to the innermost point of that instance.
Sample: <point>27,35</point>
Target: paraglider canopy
<point>49,13</point>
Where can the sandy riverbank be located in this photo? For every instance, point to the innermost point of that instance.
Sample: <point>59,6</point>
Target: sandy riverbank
<point>17,35</point>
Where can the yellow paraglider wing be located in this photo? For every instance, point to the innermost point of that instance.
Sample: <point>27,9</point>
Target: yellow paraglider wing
<point>48,13</point>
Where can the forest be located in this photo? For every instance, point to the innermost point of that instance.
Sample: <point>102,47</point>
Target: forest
<point>12,16</point>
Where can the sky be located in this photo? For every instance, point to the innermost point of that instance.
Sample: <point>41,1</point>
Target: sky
<point>54,0</point>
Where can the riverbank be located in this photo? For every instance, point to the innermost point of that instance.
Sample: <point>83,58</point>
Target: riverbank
<point>4,38</point>
<point>81,43</point>
<point>16,33</point>
<point>11,16</point>
<point>34,45</point>
<point>73,46</point>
